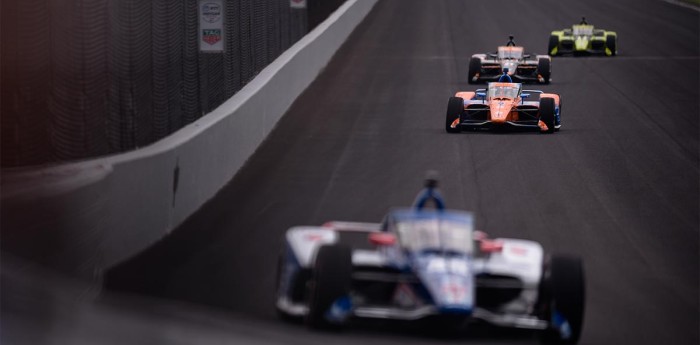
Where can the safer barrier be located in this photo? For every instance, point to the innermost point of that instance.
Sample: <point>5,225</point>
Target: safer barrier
<point>84,217</point>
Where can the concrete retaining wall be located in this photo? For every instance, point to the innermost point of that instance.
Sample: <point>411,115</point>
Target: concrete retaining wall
<point>84,217</point>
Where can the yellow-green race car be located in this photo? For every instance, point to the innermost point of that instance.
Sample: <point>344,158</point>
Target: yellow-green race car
<point>583,39</point>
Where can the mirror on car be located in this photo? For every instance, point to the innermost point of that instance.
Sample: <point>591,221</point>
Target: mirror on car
<point>382,238</point>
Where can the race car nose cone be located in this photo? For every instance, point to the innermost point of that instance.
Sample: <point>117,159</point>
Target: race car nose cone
<point>499,111</point>
<point>581,43</point>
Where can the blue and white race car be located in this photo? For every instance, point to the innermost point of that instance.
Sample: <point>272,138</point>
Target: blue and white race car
<point>424,263</point>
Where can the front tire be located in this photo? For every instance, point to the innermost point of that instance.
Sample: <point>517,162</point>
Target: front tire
<point>544,68</point>
<point>474,68</point>
<point>547,108</point>
<point>553,43</point>
<point>455,108</point>
<point>564,298</point>
<point>558,123</point>
<point>611,43</point>
<point>331,279</point>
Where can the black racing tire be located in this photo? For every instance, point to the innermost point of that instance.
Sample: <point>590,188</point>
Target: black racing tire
<point>547,108</point>
<point>560,105</point>
<point>455,108</point>
<point>553,43</point>
<point>611,43</point>
<point>544,68</point>
<point>563,287</point>
<point>330,280</point>
<point>474,68</point>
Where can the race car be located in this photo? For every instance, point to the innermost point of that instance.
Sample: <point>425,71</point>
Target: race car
<point>427,264</point>
<point>583,38</point>
<point>521,66</point>
<point>503,104</point>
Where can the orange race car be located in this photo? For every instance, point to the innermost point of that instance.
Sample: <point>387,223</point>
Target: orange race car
<point>504,104</point>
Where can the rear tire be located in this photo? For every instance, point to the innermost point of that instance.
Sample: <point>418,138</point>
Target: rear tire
<point>564,292</point>
<point>560,107</point>
<point>474,68</point>
<point>331,279</point>
<point>544,68</point>
<point>547,108</point>
<point>455,108</point>
<point>553,43</point>
<point>611,43</point>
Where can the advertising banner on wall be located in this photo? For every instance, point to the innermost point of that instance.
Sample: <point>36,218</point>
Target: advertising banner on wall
<point>211,26</point>
<point>297,3</point>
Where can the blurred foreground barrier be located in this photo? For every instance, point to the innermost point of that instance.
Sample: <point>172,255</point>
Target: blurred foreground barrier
<point>84,217</point>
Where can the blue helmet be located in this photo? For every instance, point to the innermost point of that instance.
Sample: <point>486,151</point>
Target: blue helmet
<point>505,78</point>
<point>429,193</point>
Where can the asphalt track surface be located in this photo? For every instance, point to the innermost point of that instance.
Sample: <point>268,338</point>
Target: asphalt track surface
<point>618,185</point>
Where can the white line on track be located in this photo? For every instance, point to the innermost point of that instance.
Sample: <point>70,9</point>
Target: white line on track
<point>683,4</point>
